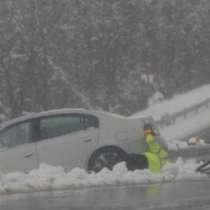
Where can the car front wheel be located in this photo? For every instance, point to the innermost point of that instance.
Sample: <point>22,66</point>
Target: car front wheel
<point>106,157</point>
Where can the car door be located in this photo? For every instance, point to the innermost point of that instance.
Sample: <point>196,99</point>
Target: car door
<point>67,140</point>
<point>17,151</point>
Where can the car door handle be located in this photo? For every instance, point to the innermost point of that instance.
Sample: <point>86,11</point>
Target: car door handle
<point>87,140</point>
<point>28,155</point>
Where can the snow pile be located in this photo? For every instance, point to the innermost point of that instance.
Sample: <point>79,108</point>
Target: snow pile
<point>185,169</point>
<point>196,141</point>
<point>55,178</point>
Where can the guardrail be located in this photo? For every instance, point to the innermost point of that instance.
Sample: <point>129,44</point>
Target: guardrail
<point>198,152</point>
<point>169,119</point>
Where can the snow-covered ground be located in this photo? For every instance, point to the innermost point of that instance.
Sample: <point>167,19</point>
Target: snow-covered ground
<point>55,178</point>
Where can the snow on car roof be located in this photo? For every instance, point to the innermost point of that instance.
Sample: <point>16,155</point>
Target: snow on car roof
<point>31,115</point>
<point>53,112</point>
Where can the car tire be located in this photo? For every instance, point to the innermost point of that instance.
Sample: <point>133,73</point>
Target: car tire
<point>106,157</point>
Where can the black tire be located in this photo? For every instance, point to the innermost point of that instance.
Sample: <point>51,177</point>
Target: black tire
<point>106,157</point>
<point>136,161</point>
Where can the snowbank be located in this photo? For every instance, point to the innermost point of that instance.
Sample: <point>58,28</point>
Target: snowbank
<point>54,178</point>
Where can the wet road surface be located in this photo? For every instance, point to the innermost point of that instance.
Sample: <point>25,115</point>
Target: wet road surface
<point>182,195</point>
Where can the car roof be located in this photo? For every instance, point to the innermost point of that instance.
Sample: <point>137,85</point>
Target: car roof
<point>54,112</point>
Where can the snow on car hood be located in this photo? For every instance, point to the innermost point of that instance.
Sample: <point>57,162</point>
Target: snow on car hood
<point>55,178</point>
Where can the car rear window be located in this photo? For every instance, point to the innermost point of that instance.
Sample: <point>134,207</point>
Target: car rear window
<point>91,121</point>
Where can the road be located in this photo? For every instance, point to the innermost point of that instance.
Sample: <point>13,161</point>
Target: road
<point>182,195</point>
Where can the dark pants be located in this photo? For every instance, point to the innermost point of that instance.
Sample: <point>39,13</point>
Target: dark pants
<point>136,161</point>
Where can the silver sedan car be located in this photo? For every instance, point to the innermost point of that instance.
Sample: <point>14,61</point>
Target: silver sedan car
<point>69,138</point>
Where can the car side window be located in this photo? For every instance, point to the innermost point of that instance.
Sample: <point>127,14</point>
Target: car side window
<point>91,121</point>
<point>16,135</point>
<point>60,125</point>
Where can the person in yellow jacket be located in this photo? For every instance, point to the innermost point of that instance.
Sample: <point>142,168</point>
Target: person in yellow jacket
<point>156,154</point>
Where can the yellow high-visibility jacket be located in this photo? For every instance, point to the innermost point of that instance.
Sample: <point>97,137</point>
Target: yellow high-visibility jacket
<point>156,156</point>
